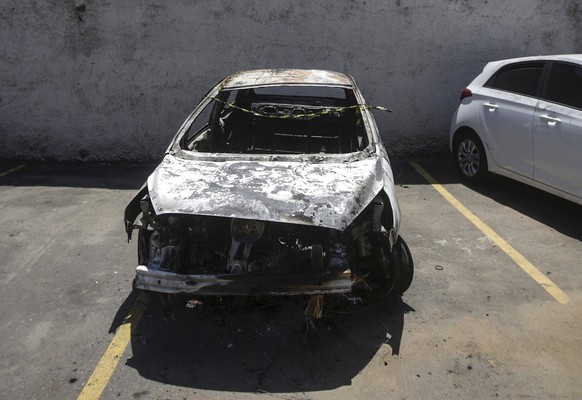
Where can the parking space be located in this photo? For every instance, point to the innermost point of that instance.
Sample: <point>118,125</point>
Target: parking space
<point>473,324</point>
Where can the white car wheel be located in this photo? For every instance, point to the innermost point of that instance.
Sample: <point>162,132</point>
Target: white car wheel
<point>470,158</point>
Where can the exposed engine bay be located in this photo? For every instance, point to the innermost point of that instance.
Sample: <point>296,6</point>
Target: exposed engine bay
<point>294,259</point>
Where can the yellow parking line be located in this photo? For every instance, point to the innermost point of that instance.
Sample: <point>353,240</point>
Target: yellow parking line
<point>520,260</point>
<point>106,366</point>
<point>12,170</point>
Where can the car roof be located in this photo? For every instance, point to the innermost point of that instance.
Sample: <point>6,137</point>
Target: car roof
<point>278,77</point>
<point>575,58</point>
<point>493,66</point>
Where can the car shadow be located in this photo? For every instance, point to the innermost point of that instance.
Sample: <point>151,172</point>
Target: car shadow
<point>559,214</point>
<point>263,347</point>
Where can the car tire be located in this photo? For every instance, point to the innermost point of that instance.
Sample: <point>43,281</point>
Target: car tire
<point>402,267</point>
<point>395,271</point>
<point>470,158</point>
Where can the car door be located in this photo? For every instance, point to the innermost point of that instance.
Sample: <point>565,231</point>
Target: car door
<point>557,135</point>
<point>509,100</point>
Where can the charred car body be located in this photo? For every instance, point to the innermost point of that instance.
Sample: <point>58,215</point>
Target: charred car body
<point>276,184</point>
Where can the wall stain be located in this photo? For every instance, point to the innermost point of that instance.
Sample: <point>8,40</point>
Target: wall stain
<point>573,13</point>
<point>548,38</point>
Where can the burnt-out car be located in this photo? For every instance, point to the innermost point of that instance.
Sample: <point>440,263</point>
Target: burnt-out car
<point>276,184</point>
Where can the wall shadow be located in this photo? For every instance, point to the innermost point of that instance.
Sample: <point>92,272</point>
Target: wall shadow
<point>123,175</point>
<point>262,348</point>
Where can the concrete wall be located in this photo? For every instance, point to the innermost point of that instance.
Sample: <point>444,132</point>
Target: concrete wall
<point>113,80</point>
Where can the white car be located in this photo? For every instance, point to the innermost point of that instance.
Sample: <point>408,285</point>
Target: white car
<point>522,118</point>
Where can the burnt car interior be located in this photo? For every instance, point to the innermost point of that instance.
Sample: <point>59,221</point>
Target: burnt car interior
<point>280,120</point>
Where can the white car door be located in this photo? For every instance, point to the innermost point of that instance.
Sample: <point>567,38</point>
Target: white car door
<point>558,131</point>
<point>507,112</point>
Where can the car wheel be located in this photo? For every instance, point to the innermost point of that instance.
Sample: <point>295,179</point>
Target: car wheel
<point>402,267</point>
<point>470,158</point>
<point>394,272</point>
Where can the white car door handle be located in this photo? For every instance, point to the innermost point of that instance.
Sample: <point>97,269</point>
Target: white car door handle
<point>491,107</point>
<point>550,120</point>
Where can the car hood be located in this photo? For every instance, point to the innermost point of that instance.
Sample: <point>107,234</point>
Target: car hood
<point>327,194</point>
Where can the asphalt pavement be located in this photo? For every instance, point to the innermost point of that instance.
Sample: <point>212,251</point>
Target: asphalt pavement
<point>478,321</point>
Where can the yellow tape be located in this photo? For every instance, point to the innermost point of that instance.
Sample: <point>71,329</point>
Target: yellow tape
<point>12,170</point>
<point>327,110</point>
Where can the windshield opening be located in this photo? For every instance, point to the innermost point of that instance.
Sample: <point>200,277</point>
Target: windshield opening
<point>279,120</point>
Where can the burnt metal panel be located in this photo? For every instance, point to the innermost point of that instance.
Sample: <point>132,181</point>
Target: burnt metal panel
<point>270,77</point>
<point>330,194</point>
<point>243,284</point>
<point>133,209</point>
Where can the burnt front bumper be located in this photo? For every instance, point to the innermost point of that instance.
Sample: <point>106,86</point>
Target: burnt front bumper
<point>243,284</point>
